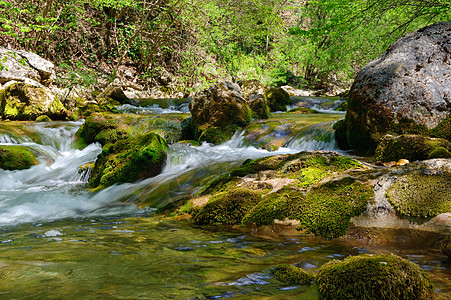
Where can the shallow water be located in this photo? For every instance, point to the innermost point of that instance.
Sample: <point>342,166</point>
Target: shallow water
<point>59,241</point>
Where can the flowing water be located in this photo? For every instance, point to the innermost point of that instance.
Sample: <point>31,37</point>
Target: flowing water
<point>60,241</point>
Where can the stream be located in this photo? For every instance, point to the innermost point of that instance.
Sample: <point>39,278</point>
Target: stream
<point>60,241</point>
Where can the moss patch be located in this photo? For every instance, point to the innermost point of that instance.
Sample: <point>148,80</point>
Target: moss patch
<point>16,158</point>
<point>292,275</point>
<point>285,203</point>
<point>421,196</point>
<point>302,110</point>
<point>328,208</point>
<point>443,129</point>
<point>218,135</point>
<point>373,277</point>
<point>277,99</point>
<point>227,208</point>
<point>129,160</point>
<point>411,147</point>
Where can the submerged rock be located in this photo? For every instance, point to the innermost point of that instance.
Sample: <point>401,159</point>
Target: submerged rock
<point>22,101</point>
<point>406,90</point>
<point>373,277</point>
<point>16,158</point>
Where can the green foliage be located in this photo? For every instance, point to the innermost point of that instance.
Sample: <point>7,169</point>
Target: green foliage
<point>373,277</point>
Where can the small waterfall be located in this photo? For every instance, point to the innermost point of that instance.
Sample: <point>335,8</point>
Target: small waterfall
<point>315,137</point>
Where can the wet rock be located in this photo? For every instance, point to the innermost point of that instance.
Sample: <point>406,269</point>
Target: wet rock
<point>254,93</point>
<point>22,101</point>
<point>411,147</point>
<point>384,276</point>
<point>277,99</point>
<point>293,275</point>
<point>129,160</point>
<point>16,158</point>
<point>406,90</point>
<point>116,93</point>
<point>219,106</point>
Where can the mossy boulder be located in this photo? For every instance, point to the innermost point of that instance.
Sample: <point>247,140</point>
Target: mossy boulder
<point>292,275</point>
<point>419,195</point>
<point>219,106</point>
<point>411,147</point>
<point>407,81</point>
<point>443,129</point>
<point>16,158</point>
<point>378,277</point>
<point>227,208</point>
<point>218,135</point>
<point>277,99</point>
<point>43,118</point>
<point>22,101</point>
<point>129,160</point>
<point>253,92</point>
<point>115,93</point>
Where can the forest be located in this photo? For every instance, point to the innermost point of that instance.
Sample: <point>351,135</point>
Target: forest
<point>307,44</point>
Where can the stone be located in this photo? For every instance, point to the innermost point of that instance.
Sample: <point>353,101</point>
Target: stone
<point>116,93</point>
<point>277,99</point>
<point>219,106</point>
<point>365,276</point>
<point>21,101</point>
<point>15,157</point>
<point>253,92</point>
<point>20,65</point>
<point>402,162</point>
<point>411,147</point>
<point>409,84</point>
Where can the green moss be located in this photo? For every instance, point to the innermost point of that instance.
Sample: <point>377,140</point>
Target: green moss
<point>329,207</point>
<point>16,158</point>
<point>411,147</point>
<point>217,135</point>
<point>129,160</point>
<point>439,152</point>
<point>421,196</point>
<point>285,203</point>
<point>302,110</point>
<point>277,99</point>
<point>408,126</point>
<point>343,106</point>
<point>227,208</point>
<point>311,175</point>
<point>443,129</point>
<point>377,277</point>
<point>292,275</point>
<point>43,118</point>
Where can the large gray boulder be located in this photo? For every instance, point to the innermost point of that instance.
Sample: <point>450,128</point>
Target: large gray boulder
<point>406,90</point>
<point>20,65</point>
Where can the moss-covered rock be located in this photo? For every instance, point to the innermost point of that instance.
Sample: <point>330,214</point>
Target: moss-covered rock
<point>43,118</point>
<point>277,99</point>
<point>421,196</point>
<point>302,111</point>
<point>219,106</point>
<point>218,135</point>
<point>443,129</point>
<point>285,203</point>
<point>411,147</point>
<point>253,92</point>
<point>378,277</point>
<point>16,158</point>
<point>21,101</point>
<point>292,275</point>
<point>129,160</point>
<point>227,208</point>
<point>116,94</point>
<point>445,245</point>
<point>328,208</point>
